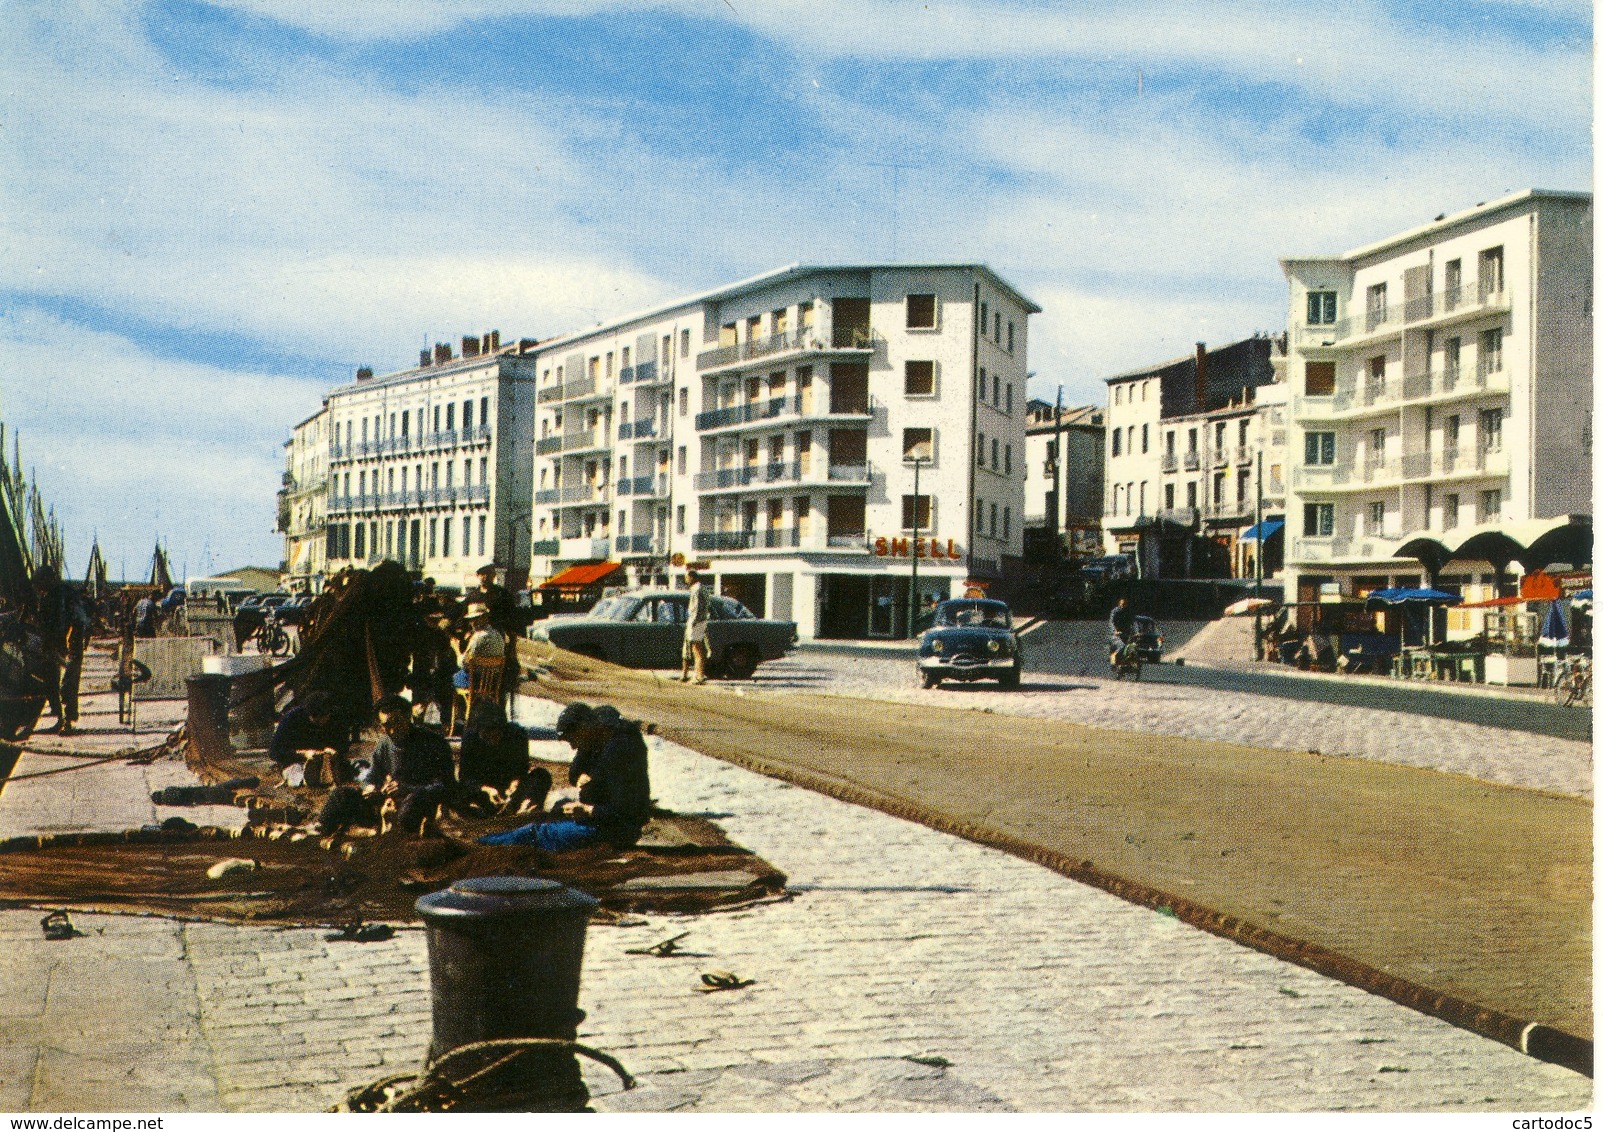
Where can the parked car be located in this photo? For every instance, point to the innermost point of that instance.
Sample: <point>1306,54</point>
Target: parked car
<point>646,629</point>
<point>971,639</point>
<point>174,599</point>
<point>1108,568</point>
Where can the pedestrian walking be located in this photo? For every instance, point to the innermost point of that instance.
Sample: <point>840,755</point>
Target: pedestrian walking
<point>696,618</point>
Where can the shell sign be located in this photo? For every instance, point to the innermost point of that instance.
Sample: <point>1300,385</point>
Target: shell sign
<point>916,548</point>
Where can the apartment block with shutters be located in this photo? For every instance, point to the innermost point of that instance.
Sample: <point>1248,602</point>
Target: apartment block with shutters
<point>429,466</point>
<point>303,503</point>
<point>808,434</point>
<point>1441,384</point>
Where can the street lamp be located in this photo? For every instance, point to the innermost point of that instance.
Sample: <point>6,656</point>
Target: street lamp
<point>912,595</point>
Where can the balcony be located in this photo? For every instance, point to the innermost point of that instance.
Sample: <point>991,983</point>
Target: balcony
<point>1193,461</point>
<point>641,487</point>
<point>771,538</point>
<point>478,493</point>
<point>583,441</point>
<point>1221,457</point>
<point>548,495</point>
<point>548,394</point>
<point>1320,549</point>
<point>636,544</point>
<point>547,445</point>
<point>585,547</point>
<point>643,374</point>
<point>851,473</point>
<point>775,346</point>
<point>545,548</point>
<point>746,413</point>
<point>1464,301</point>
<point>637,430</point>
<point>722,479</point>
<point>579,493</point>
<point>1169,462</point>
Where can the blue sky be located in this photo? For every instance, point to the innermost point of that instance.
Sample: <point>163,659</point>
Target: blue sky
<point>214,212</point>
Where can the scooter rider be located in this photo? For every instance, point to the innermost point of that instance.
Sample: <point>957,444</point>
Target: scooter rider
<point>1121,628</point>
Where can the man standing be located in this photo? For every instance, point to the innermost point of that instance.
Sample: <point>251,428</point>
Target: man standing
<point>609,768</point>
<point>696,618</point>
<point>1121,628</point>
<point>146,613</point>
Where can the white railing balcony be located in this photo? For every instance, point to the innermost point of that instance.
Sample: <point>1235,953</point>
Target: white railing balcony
<point>1317,548</point>
<point>585,547</point>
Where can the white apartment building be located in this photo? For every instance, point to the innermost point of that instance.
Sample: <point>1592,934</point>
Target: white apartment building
<point>1077,480</point>
<point>1442,382</point>
<point>430,466</point>
<point>303,503</point>
<point>1185,440</point>
<point>774,428</point>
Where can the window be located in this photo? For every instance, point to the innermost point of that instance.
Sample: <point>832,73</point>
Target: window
<point>1452,351</point>
<point>1010,335</point>
<point>979,451</point>
<point>993,520</point>
<point>1377,375</point>
<point>684,343</point>
<point>1377,447</point>
<point>918,444</point>
<point>995,463</point>
<point>919,379</point>
<point>679,519</point>
<point>1318,520</point>
<point>1449,512</point>
<point>450,416</point>
<point>1168,443</point>
<point>985,322</point>
<point>1377,518</point>
<point>445,536</point>
<point>1453,278</point>
<point>998,323</point>
<point>1375,308</point>
<point>1010,398</point>
<point>1118,394</point>
<point>1491,351</point>
<point>1168,497</point>
<point>1319,379</point>
<point>921,312</point>
<point>1491,505</point>
<point>684,401</point>
<point>979,516</point>
<point>1007,522</point>
<point>1491,272</point>
<point>1191,494</point>
<point>1007,460</point>
<point>1450,434</point>
<point>983,384</point>
<point>915,512</point>
<point>1117,435</point>
<point>1319,448</point>
<point>1491,430</point>
<point>1143,440</point>
<point>681,459</point>
<point>467,418</point>
<point>1321,308</point>
<point>483,521</point>
<point>1218,488</point>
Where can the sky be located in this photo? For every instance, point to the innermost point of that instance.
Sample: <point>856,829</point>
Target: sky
<point>213,213</point>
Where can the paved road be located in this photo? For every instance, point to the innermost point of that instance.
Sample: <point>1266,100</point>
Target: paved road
<point>1079,648</point>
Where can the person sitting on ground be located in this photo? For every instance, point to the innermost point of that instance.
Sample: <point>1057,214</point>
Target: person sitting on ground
<point>307,729</point>
<point>609,768</point>
<point>495,758</point>
<point>412,768</point>
<point>1121,627</point>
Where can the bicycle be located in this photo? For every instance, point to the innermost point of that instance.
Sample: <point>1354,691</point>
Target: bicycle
<point>1573,682</point>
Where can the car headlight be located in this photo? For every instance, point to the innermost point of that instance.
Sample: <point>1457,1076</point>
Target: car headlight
<point>937,645</point>
<point>994,645</point>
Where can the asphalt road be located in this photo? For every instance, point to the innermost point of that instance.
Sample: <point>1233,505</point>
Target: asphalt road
<point>1079,648</point>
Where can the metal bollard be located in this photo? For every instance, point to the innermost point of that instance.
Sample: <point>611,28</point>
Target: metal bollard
<point>207,724</point>
<point>504,961</point>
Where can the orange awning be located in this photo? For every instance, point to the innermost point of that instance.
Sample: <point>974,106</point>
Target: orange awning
<point>584,574</point>
<point>1493,602</point>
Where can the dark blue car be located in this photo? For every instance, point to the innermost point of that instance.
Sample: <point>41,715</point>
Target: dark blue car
<point>970,639</point>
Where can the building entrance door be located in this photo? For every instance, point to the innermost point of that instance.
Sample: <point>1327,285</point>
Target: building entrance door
<point>887,606</point>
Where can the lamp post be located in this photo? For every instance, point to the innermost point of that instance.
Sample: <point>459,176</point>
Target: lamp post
<point>912,594</point>
<point>1257,562</point>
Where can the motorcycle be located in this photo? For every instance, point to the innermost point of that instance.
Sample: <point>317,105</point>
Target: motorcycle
<point>1124,658</point>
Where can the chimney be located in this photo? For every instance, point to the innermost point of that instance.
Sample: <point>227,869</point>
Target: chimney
<point>527,344</point>
<point>365,373</point>
<point>423,357</point>
<point>1202,377</point>
<point>494,340</point>
<point>442,352</point>
<point>470,346</point>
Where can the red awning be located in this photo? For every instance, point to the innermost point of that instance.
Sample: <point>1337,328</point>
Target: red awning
<point>585,574</point>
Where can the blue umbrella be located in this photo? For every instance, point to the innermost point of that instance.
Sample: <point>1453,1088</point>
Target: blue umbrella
<point>1555,634</point>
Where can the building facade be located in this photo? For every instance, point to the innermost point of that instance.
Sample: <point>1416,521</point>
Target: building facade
<point>1185,441</point>
<point>1441,380</point>
<point>1077,524</point>
<point>775,429</point>
<point>303,503</point>
<point>430,466</point>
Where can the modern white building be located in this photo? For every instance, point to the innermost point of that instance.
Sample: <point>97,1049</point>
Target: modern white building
<point>775,429</point>
<point>1185,440</point>
<point>1442,384</point>
<point>430,466</point>
<point>303,503</point>
<point>1077,479</point>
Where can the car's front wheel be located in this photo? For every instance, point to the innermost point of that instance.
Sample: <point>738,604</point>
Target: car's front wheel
<point>929,679</point>
<point>1010,678</point>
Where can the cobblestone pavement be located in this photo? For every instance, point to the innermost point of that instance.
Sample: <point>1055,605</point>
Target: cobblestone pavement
<point>911,971</point>
<point>1513,758</point>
